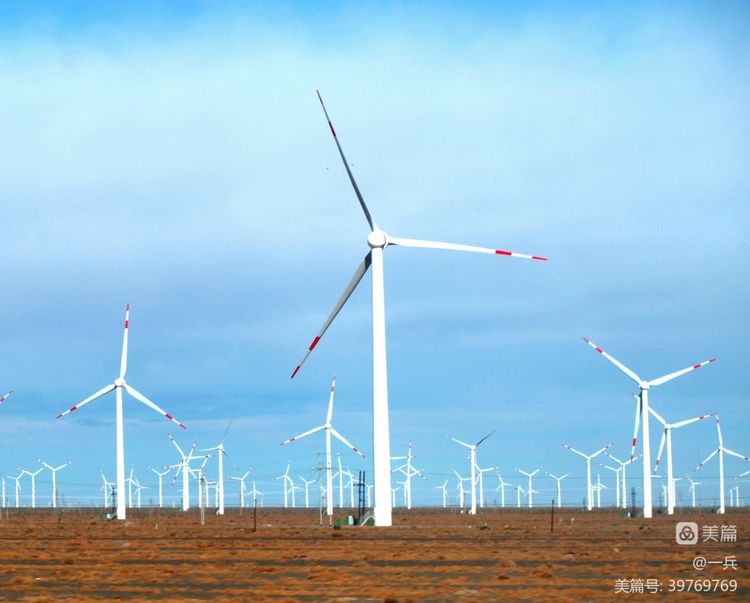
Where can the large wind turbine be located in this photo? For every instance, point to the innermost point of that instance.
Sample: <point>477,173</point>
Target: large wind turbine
<point>118,385</point>
<point>588,457</point>
<point>721,450</point>
<point>378,241</point>
<point>667,436</point>
<point>473,460</point>
<point>329,431</point>
<point>644,387</point>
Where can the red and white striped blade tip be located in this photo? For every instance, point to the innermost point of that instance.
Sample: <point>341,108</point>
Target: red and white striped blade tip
<point>514,254</point>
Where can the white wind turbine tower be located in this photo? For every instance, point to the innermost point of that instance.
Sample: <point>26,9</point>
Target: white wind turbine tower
<point>480,479</point>
<point>242,479</point>
<point>3,492</point>
<point>329,431</point>
<point>409,471</point>
<point>519,491</point>
<point>32,475</point>
<point>693,484</point>
<point>221,451</point>
<point>118,386</point>
<point>667,435</point>
<point>54,471</point>
<point>378,241</point>
<point>307,490</point>
<point>616,471</point>
<point>17,479</point>
<point>350,476</point>
<point>599,486</point>
<point>197,473</point>
<point>623,466</point>
<point>255,492</point>
<point>340,475</point>
<point>588,457</point>
<point>644,387</point>
<point>501,486</point>
<point>106,488</point>
<point>160,475</point>
<point>473,461</point>
<point>531,490</point>
<point>138,489</point>
<point>287,483</point>
<point>444,488</point>
<point>129,480</point>
<point>721,450</point>
<point>461,491</point>
<point>559,492</point>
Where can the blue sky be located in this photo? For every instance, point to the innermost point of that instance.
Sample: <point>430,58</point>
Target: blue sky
<point>174,156</point>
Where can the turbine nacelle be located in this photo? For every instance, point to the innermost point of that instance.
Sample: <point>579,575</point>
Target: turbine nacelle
<point>644,385</point>
<point>377,239</point>
<point>119,382</point>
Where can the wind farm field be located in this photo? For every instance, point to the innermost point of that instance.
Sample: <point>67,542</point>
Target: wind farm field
<point>500,554</point>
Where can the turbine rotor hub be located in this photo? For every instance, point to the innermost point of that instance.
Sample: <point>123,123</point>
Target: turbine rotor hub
<point>377,239</point>
<point>119,382</point>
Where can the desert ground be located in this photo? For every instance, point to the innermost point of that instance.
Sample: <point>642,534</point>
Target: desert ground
<point>435,554</point>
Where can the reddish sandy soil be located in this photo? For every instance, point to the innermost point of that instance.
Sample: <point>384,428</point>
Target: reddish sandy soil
<point>435,555</point>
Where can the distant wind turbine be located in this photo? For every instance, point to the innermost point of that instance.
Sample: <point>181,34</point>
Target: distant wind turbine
<point>118,386</point>
<point>645,387</point>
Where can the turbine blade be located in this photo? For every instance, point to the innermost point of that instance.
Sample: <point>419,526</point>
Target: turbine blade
<point>346,165</point>
<point>6,396</point>
<point>302,435</point>
<point>617,363</point>
<point>458,441</point>
<point>693,420</point>
<point>345,441</point>
<point>676,374</point>
<point>485,437</point>
<point>358,274</point>
<point>718,429</point>
<point>330,402</point>
<point>92,397</point>
<point>124,357</point>
<point>598,452</point>
<point>657,416</point>
<point>578,452</point>
<point>661,449</point>
<point>638,409</point>
<point>455,247</point>
<point>176,445</point>
<point>708,458</point>
<point>141,398</point>
<point>737,454</point>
